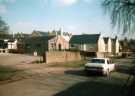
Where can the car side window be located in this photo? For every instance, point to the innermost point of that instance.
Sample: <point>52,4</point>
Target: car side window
<point>108,62</point>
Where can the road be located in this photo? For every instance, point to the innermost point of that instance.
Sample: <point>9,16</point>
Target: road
<point>43,80</point>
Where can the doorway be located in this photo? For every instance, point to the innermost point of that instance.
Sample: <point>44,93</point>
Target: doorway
<point>59,47</point>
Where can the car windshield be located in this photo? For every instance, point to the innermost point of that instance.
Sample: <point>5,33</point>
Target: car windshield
<point>98,61</point>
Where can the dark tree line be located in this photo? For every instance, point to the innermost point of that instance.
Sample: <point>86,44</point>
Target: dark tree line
<point>128,45</point>
<point>4,28</point>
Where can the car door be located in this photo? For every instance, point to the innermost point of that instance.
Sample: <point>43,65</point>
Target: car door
<point>110,65</point>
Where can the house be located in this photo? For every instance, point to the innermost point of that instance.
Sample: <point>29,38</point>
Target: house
<point>58,43</point>
<point>108,45</point>
<point>84,42</point>
<point>95,44</point>
<point>88,43</point>
<point>41,44</point>
<point>112,45</point>
<point>65,35</point>
<point>115,46</point>
<point>12,44</point>
<point>11,40</point>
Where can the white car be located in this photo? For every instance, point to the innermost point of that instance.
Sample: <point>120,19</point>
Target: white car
<point>103,65</point>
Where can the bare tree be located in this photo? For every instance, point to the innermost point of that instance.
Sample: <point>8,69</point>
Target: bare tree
<point>122,13</point>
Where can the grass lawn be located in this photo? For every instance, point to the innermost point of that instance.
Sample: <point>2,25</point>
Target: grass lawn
<point>73,64</point>
<point>7,72</point>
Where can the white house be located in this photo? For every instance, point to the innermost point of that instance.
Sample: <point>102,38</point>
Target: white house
<point>89,43</point>
<point>85,42</point>
<point>115,46</point>
<point>108,45</point>
<point>12,44</point>
<point>94,44</point>
<point>101,45</point>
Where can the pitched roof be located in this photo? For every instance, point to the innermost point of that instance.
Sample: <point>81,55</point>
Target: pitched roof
<point>84,39</point>
<point>39,33</point>
<point>106,39</point>
<point>11,40</point>
<point>38,39</point>
<point>114,39</point>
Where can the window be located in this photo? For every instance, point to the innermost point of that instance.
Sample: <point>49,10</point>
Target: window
<point>109,61</point>
<point>72,45</point>
<point>97,61</point>
<point>38,45</point>
<point>27,45</point>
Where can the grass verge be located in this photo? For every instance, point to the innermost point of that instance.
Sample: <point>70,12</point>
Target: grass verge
<point>7,73</point>
<point>72,64</point>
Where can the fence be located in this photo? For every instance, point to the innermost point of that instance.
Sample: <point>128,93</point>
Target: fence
<point>3,50</point>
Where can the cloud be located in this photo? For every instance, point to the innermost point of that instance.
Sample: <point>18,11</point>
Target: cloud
<point>87,1</point>
<point>66,2</point>
<point>3,8</point>
<point>71,2</point>
<point>59,3</point>
<point>71,27</point>
<point>3,5</point>
<point>23,26</point>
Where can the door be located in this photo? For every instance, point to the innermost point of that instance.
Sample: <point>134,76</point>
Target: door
<point>59,47</point>
<point>111,66</point>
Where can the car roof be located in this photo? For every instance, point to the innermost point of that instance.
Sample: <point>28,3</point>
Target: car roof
<point>101,58</point>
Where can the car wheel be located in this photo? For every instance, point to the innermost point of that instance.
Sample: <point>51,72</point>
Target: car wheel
<point>86,72</point>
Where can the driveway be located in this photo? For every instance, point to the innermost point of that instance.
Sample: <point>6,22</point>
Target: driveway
<point>43,80</point>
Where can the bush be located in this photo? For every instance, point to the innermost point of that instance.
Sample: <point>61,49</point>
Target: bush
<point>133,61</point>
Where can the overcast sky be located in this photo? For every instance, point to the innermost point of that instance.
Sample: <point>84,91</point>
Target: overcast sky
<point>76,16</point>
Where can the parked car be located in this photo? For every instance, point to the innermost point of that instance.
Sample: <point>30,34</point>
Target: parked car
<point>102,65</point>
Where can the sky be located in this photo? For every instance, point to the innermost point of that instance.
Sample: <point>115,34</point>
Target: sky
<point>75,16</point>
